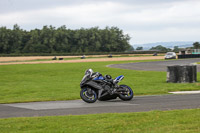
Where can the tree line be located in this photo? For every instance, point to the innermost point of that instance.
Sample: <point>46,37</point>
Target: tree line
<point>160,48</point>
<point>196,45</point>
<point>62,40</point>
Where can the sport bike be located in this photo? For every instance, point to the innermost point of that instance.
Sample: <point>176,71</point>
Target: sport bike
<point>95,86</point>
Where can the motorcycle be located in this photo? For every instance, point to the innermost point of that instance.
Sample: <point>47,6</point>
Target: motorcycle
<point>95,86</point>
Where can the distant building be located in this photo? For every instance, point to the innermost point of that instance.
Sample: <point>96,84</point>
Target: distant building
<point>185,51</point>
<point>196,51</point>
<point>189,51</point>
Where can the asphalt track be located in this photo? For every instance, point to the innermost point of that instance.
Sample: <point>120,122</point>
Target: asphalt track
<point>138,104</point>
<point>156,66</point>
<point>78,107</point>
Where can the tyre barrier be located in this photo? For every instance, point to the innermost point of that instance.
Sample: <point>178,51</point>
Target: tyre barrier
<point>182,74</point>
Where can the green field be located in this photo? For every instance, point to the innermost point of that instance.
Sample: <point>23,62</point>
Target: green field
<point>46,82</point>
<point>176,121</point>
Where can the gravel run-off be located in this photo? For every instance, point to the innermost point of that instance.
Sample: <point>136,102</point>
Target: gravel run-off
<point>23,60</point>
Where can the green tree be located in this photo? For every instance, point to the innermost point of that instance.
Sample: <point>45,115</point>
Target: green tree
<point>139,48</point>
<point>33,44</point>
<point>62,37</point>
<point>161,48</point>
<point>17,35</point>
<point>5,45</point>
<point>58,40</point>
<point>176,49</point>
<point>131,49</point>
<point>196,45</point>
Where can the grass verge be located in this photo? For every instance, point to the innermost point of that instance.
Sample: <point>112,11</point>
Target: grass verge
<point>155,121</point>
<point>47,82</point>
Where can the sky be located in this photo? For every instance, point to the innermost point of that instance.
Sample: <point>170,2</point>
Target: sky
<point>145,21</point>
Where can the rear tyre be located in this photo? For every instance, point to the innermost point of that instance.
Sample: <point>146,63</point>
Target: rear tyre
<point>126,97</point>
<point>89,97</point>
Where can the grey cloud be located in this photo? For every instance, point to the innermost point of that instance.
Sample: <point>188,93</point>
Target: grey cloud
<point>144,20</point>
<point>7,6</point>
<point>23,5</point>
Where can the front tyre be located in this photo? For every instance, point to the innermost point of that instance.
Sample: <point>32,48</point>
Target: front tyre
<point>88,95</point>
<point>128,96</point>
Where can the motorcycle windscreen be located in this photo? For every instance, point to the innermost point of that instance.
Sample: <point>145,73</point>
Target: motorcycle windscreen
<point>119,78</point>
<point>85,78</point>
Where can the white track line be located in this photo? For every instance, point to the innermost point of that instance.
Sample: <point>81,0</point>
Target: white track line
<point>185,92</point>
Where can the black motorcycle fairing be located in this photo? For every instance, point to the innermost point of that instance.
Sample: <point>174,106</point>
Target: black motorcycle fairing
<point>84,80</point>
<point>93,85</point>
<point>100,89</point>
<point>107,97</point>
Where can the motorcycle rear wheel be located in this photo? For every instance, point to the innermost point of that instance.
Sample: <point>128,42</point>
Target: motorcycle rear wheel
<point>89,98</point>
<point>126,97</point>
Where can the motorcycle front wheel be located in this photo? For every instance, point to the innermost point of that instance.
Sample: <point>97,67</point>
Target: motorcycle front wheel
<point>126,97</point>
<point>89,97</point>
